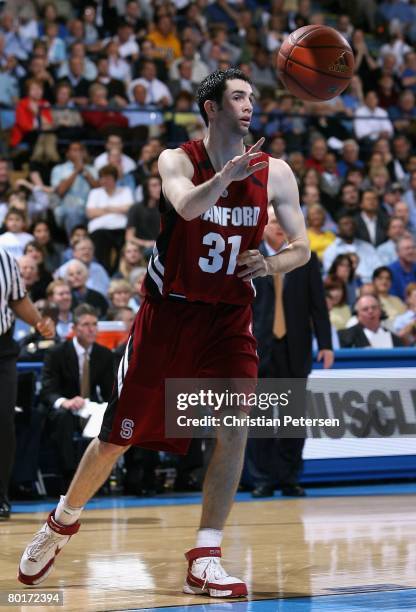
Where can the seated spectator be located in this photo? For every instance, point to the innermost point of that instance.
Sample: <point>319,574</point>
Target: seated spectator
<point>74,372</point>
<point>123,180</point>
<point>142,117</point>
<point>15,238</point>
<point>66,120</point>
<point>404,268</point>
<point>410,198</point>
<point>342,270</point>
<point>55,45</point>
<point>120,294</point>
<point>368,332</point>
<point>387,92</point>
<point>387,252</point>
<point>143,221</point>
<point>349,200</point>
<point>128,47</point>
<point>163,36</point>
<point>131,258</point>
<point>350,157</point>
<point>391,305</point>
<point>137,277</point>
<point>318,151</point>
<point>408,74</point>
<point>115,87</point>
<point>310,196</point>
<point>405,323</point>
<point>184,81</point>
<point>83,250</point>
<point>124,314</point>
<point>78,52</point>
<point>43,277</point>
<point>41,232</point>
<point>157,92</point>
<point>78,232</point>
<point>29,272</point>
<point>401,210</point>
<point>263,73</point>
<point>97,118</point>
<point>371,121</point>
<point>32,114</point>
<point>336,299</point>
<point>118,68</point>
<point>38,71</point>
<point>318,238</point>
<point>346,242</point>
<point>73,181</point>
<point>330,179</point>
<point>79,84</point>
<point>403,114</point>
<point>371,222</point>
<point>58,292</point>
<point>190,53</point>
<point>114,141</point>
<point>107,209</point>
<point>76,276</point>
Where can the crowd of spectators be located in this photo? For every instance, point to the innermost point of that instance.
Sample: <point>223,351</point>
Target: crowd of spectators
<point>92,92</point>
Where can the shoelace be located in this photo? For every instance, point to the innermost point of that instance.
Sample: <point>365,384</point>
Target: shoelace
<point>213,569</point>
<point>42,543</point>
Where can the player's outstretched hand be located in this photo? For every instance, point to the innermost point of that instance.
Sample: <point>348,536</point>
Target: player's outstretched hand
<point>239,168</point>
<point>254,264</point>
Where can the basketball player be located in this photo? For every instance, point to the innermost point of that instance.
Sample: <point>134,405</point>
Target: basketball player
<point>195,320</point>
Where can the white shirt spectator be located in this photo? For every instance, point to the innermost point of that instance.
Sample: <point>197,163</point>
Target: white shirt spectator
<point>127,163</point>
<point>403,320</point>
<point>99,198</point>
<point>156,90</point>
<point>370,123</point>
<point>381,339</point>
<point>14,243</point>
<point>130,47</point>
<point>119,69</point>
<point>365,251</point>
<point>199,69</point>
<point>98,278</point>
<point>387,252</point>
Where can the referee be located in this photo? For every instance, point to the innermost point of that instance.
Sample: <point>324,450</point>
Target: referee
<point>13,301</point>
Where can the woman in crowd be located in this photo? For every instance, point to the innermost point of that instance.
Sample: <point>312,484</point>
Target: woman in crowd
<point>342,269</point>
<point>336,299</point>
<point>318,238</point>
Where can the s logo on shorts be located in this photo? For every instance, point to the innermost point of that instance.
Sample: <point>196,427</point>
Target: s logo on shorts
<point>126,430</point>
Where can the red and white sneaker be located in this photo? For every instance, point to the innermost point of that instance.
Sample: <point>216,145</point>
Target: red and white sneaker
<point>39,555</point>
<point>206,576</point>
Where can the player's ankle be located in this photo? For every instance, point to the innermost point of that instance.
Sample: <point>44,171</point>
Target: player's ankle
<point>209,538</point>
<point>66,514</point>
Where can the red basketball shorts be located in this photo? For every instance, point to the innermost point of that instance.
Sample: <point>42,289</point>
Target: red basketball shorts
<point>174,339</point>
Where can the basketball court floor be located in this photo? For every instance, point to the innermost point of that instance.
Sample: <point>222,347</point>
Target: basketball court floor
<point>340,549</point>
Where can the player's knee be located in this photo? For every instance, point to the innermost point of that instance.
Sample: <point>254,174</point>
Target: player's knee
<point>106,449</point>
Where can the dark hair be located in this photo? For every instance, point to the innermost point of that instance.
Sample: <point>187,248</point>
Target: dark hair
<point>82,310</point>
<point>78,227</point>
<point>379,271</point>
<point>336,283</point>
<point>35,244</point>
<point>108,170</point>
<point>332,272</point>
<point>213,87</point>
<point>17,212</point>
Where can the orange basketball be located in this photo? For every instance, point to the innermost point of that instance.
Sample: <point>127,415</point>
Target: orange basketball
<point>315,63</point>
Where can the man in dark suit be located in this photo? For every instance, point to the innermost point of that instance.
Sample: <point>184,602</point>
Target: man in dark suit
<point>368,332</point>
<point>371,222</point>
<point>286,353</point>
<point>73,372</point>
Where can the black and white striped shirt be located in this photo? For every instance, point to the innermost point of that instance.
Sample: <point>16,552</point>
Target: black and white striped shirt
<point>12,287</point>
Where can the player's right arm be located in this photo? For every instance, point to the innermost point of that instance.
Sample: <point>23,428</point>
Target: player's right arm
<point>189,200</point>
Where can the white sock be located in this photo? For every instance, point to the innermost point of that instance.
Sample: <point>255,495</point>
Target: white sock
<point>65,514</point>
<point>209,538</point>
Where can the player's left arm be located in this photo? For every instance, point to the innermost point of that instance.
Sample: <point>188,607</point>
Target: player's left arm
<point>284,195</point>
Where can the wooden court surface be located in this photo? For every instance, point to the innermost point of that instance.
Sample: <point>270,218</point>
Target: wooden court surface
<point>128,558</point>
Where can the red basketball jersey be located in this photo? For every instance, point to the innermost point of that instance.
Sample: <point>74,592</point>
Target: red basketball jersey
<point>197,260</point>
